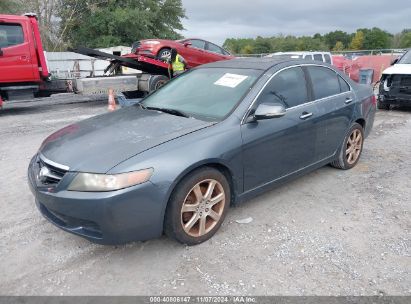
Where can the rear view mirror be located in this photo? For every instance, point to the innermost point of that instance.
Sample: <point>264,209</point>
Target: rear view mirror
<point>269,110</point>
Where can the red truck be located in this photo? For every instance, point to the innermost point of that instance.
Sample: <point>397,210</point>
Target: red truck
<point>23,68</point>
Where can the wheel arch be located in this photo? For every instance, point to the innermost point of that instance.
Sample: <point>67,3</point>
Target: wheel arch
<point>218,164</point>
<point>361,121</point>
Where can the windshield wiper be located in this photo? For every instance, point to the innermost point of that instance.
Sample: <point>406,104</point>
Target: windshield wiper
<point>169,111</point>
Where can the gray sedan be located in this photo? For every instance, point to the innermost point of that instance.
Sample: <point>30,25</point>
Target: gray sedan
<point>215,136</point>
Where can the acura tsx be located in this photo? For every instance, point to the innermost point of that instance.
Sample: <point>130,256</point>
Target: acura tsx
<point>217,135</point>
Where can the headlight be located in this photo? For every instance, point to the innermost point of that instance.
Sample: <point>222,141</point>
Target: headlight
<point>90,182</point>
<point>151,42</point>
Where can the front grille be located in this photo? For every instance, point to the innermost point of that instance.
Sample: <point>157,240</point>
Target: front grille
<point>405,84</point>
<point>49,173</point>
<point>405,81</point>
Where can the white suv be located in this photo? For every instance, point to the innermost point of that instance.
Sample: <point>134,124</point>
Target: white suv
<point>317,56</point>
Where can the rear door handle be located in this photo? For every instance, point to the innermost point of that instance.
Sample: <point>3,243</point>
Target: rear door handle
<point>348,100</point>
<point>306,115</point>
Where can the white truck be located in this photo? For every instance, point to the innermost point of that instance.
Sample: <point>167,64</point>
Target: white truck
<point>395,83</point>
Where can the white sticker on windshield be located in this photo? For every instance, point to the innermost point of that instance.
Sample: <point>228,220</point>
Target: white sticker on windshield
<point>230,80</point>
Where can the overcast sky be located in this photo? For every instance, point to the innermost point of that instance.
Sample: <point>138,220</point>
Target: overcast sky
<point>216,20</point>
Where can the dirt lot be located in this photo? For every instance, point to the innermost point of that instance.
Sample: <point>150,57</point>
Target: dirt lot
<point>331,232</point>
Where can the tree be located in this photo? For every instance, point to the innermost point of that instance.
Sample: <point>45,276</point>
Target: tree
<point>103,23</point>
<point>9,7</point>
<point>357,41</point>
<point>405,40</point>
<point>248,49</point>
<point>376,38</point>
<point>332,38</point>
<point>262,45</point>
<point>46,13</point>
<point>338,47</point>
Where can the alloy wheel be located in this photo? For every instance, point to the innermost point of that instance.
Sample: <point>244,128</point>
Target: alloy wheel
<point>354,146</point>
<point>203,207</point>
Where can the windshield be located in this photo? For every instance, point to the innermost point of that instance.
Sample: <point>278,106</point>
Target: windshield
<point>406,58</point>
<point>206,93</point>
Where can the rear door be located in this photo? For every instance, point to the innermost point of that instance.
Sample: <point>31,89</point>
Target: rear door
<point>194,54</point>
<point>214,53</point>
<point>15,57</point>
<point>277,147</point>
<point>335,105</point>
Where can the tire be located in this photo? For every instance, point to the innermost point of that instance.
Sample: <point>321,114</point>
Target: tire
<point>164,53</point>
<point>383,105</point>
<point>201,219</point>
<point>157,81</point>
<point>347,160</point>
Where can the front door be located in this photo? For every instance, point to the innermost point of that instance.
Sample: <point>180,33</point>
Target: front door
<point>277,147</point>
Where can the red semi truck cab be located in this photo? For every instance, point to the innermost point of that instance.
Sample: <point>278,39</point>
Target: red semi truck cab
<point>23,66</point>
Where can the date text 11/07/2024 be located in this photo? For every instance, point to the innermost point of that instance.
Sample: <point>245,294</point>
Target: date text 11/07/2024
<point>202,299</point>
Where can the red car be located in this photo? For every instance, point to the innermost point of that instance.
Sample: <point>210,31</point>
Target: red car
<point>195,51</point>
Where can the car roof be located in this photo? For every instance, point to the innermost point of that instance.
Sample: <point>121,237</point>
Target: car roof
<point>252,63</point>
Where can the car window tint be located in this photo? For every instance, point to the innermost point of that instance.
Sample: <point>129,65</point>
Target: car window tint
<point>327,58</point>
<point>308,57</point>
<point>318,57</point>
<point>11,34</point>
<point>214,48</point>
<point>199,44</point>
<point>343,85</point>
<point>287,87</point>
<point>325,82</point>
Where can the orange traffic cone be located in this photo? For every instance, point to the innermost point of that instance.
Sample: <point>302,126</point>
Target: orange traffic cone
<point>111,100</point>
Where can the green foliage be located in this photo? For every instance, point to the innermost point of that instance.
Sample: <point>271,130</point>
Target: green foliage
<point>357,41</point>
<point>339,46</point>
<point>405,39</point>
<point>103,23</point>
<point>9,7</point>
<point>376,38</point>
<point>333,37</point>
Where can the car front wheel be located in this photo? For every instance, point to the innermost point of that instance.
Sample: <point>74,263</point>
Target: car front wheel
<point>350,151</point>
<point>198,206</point>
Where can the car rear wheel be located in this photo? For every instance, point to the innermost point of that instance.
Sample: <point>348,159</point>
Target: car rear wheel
<point>164,53</point>
<point>350,151</point>
<point>198,206</point>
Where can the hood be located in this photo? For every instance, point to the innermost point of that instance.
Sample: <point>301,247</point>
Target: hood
<point>98,144</point>
<point>399,69</point>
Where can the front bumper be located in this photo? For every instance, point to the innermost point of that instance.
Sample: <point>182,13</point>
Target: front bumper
<point>395,99</point>
<point>116,217</point>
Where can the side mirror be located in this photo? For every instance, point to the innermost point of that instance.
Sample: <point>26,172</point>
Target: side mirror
<point>187,44</point>
<point>269,111</point>
<point>395,61</point>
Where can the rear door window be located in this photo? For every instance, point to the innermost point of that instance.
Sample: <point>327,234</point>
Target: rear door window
<point>287,87</point>
<point>214,48</point>
<point>327,58</point>
<point>11,34</point>
<point>308,57</point>
<point>324,81</point>
<point>343,85</point>
<point>318,57</point>
<point>199,44</point>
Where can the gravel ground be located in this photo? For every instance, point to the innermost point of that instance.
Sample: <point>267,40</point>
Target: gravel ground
<point>331,232</point>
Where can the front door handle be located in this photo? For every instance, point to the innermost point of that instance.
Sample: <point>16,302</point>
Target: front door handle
<point>348,100</point>
<point>305,115</point>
